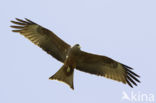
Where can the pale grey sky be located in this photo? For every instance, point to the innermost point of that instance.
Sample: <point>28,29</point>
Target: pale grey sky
<point>124,30</point>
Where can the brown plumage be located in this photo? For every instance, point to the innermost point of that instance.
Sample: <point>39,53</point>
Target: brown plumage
<point>73,57</point>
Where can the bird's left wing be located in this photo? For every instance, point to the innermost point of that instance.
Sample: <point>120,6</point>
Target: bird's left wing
<point>104,66</point>
<point>42,37</point>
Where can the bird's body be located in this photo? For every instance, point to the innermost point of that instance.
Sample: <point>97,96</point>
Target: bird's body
<point>67,70</point>
<point>73,57</point>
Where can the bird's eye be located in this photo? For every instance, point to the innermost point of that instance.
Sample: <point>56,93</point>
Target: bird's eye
<point>77,45</point>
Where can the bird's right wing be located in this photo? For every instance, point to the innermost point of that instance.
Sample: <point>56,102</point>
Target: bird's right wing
<point>42,37</point>
<point>107,67</point>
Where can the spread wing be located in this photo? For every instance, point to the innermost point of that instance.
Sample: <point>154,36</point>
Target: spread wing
<point>104,66</point>
<point>42,37</point>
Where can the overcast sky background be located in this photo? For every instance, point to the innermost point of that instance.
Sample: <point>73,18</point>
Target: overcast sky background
<point>124,30</point>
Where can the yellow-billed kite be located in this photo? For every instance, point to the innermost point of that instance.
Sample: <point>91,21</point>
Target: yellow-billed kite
<point>74,57</point>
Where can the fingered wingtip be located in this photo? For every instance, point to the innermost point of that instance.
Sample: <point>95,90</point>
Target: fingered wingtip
<point>17,27</point>
<point>16,30</point>
<point>29,21</point>
<point>26,18</point>
<point>11,21</point>
<point>23,21</point>
<point>17,19</point>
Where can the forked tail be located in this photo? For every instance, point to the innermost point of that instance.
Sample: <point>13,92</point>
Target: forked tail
<point>65,74</point>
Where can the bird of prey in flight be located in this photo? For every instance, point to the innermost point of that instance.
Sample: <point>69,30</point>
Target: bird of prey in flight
<point>73,57</point>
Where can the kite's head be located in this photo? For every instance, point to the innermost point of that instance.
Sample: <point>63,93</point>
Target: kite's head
<point>75,49</point>
<point>77,46</point>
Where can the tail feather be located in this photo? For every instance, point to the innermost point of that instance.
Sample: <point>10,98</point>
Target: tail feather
<point>65,74</point>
